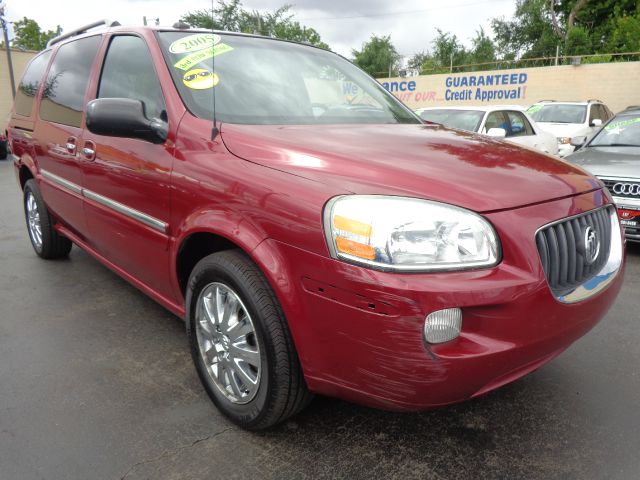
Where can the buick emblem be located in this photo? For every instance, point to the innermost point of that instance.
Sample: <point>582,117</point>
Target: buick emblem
<point>626,189</point>
<point>591,245</point>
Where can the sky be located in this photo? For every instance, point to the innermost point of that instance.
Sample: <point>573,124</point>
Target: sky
<point>343,24</point>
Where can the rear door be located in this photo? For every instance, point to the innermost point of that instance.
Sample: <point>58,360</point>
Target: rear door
<point>58,133</point>
<point>127,180</point>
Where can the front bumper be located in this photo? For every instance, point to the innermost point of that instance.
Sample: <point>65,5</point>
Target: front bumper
<point>358,331</point>
<point>629,209</point>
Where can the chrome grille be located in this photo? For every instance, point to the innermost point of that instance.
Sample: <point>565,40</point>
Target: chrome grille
<point>562,249</point>
<point>622,188</point>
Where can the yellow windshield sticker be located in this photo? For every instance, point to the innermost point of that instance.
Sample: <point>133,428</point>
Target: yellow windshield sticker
<point>193,43</point>
<point>193,59</point>
<point>200,79</point>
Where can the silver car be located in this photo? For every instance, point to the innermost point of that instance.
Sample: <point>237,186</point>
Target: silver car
<point>613,155</point>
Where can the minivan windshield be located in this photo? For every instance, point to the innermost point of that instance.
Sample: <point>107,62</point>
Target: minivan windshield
<point>558,113</point>
<point>621,131</point>
<point>265,81</point>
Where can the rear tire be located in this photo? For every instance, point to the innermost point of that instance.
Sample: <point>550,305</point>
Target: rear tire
<point>241,344</point>
<point>46,242</point>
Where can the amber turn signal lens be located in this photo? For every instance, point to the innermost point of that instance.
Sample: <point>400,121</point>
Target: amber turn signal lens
<point>352,226</point>
<point>356,249</point>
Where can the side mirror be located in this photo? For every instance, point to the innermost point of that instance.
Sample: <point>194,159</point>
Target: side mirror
<point>123,117</point>
<point>596,122</point>
<point>497,132</point>
<point>578,141</point>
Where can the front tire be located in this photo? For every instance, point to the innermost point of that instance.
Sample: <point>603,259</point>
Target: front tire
<point>241,344</point>
<point>46,242</point>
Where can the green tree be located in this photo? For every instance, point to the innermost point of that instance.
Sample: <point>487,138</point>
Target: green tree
<point>424,63</point>
<point>482,51</point>
<point>417,60</point>
<point>296,32</point>
<point>577,27</point>
<point>577,42</point>
<point>232,17</point>
<point>447,51</point>
<point>625,34</point>
<point>528,34</point>
<point>29,36</point>
<point>378,57</point>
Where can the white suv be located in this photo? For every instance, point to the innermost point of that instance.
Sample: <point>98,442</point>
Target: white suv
<point>569,119</point>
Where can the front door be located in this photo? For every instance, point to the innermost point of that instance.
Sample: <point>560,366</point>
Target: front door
<point>127,181</point>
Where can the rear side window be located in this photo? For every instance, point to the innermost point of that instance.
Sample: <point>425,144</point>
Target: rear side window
<point>128,72</point>
<point>66,84</point>
<point>30,83</point>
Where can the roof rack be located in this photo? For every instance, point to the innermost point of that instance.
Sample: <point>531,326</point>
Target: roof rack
<point>543,101</point>
<point>81,30</point>
<point>594,100</point>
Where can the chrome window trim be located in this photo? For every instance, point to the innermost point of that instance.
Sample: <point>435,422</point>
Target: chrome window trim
<point>137,215</point>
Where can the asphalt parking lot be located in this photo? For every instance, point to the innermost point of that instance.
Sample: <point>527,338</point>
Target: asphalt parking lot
<point>96,382</point>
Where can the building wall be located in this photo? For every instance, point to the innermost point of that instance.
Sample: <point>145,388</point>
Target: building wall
<point>616,84</point>
<point>20,60</point>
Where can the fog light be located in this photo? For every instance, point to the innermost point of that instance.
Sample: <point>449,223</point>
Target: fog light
<point>443,325</point>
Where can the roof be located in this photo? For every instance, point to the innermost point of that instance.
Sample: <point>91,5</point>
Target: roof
<point>103,26</point>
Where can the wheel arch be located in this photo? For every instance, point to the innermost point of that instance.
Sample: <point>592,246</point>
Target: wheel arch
<point>208,232</point>
<point>27,169</point>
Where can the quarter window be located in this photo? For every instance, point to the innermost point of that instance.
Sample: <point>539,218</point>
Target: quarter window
<point>30,83</point>
<point>66,84</point>
<point>128,72</point>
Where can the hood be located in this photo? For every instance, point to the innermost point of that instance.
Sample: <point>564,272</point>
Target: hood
<point>421,161</point>
<point>564,129</point>
<point>608,161</point>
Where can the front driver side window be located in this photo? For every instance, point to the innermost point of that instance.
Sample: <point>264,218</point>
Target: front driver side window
<point>520,126</point>
<point>496,120</point>
<point>128,72</point>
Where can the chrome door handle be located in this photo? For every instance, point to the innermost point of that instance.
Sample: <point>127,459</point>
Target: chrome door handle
<point>71,147</point>
<point>88,152</point>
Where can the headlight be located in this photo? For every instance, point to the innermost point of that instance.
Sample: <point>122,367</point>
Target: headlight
<point>408,234</point>
<point>564,140</point>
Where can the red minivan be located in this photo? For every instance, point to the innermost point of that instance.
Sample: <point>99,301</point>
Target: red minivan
<point>314,234</point>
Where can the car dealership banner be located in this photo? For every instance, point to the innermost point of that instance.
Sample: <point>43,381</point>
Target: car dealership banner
<point>609,82</point>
